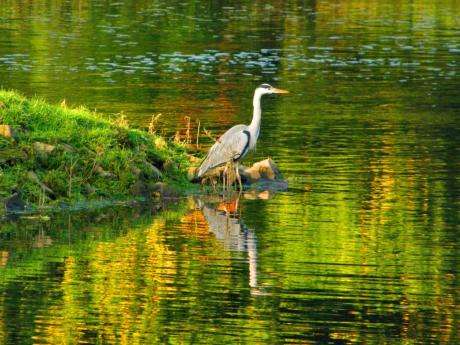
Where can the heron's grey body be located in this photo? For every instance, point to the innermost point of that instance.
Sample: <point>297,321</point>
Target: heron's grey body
<point>235,143</point>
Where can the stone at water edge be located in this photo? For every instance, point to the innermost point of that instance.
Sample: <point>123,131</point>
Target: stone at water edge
<point>191,173</point>
<point>163,190</point>
<point>14,204</point>
<point>270,185</point>
<point>265,173</point>
<point>141,189</point>
<point>266,170</point>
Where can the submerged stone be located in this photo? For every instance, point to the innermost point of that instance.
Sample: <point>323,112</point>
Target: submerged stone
<point>163,190</point>
<point>14,204</point>
<point>141,189</point>
<point>262,175</point>
<point>270,185</point>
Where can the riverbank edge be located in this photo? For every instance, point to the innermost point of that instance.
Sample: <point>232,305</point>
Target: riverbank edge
<point>53,157</point>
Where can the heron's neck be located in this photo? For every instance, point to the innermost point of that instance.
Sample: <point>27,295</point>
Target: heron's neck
<point>254,127</point>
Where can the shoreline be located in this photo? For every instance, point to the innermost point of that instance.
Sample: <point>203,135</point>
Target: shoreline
<point>53,157</point>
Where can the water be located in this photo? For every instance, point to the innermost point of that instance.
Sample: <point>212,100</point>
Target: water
<point>362,248</point>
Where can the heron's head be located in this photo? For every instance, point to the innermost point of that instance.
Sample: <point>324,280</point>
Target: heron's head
<point>264,89</point>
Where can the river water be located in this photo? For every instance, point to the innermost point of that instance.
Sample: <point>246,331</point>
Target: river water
<point>362,248</point>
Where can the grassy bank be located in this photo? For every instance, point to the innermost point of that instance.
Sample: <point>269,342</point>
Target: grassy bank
<point>57,155</point>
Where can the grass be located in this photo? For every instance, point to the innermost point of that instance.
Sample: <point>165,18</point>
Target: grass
<point>80,155</point>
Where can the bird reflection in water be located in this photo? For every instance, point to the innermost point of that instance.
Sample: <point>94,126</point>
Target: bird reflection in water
<point>224,221</point>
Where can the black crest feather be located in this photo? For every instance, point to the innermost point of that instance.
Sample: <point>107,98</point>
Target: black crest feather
<point>265,86</point>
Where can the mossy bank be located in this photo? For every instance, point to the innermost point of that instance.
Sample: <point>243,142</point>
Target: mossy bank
<point>53,156</point>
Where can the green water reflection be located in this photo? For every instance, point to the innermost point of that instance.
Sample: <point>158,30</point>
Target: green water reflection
<point>363,247</point>
<point>200,273</point>
<point>202,59</point>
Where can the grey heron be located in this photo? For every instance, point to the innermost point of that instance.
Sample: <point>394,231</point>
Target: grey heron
<point>235,143</point>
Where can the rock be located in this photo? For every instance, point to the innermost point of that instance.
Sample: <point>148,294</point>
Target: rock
<point>101,172</point>
<point>14,204</point>
<point>34,178</point>
<point>13,154</point>
<point>191,173</point>
<point>163,190</point>
<point>249,175</point>
<point>67,148</point>
<point>135,170</point>
<point>263,175</point>
<point>153,171</point>
<point>141,189</point>
<point>7,131</point>
<point>265,169</point>
<point>43,148</point>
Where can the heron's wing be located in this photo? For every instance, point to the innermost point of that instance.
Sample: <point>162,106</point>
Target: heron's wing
<point>232,145</point>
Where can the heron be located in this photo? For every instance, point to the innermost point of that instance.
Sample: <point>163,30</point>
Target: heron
<point>236,142</point>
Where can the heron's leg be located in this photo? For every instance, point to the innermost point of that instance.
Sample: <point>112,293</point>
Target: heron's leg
<point>230,177</point>
<point>213,183</point>
<point>238,177</point>
<point>224,174</point>
<point>225,178</point>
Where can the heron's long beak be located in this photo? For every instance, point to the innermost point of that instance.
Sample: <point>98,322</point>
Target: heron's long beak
<point>279,91</point>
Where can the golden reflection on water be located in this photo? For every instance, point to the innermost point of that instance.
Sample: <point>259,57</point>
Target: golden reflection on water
<point>4,257</point>
<point>3,329</point>
<point>158,280</point>
<point>375,209</point>
<point>124,281</point>
<point>118,289</point>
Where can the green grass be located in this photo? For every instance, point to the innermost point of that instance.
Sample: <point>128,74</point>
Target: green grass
<point>94,157</point>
